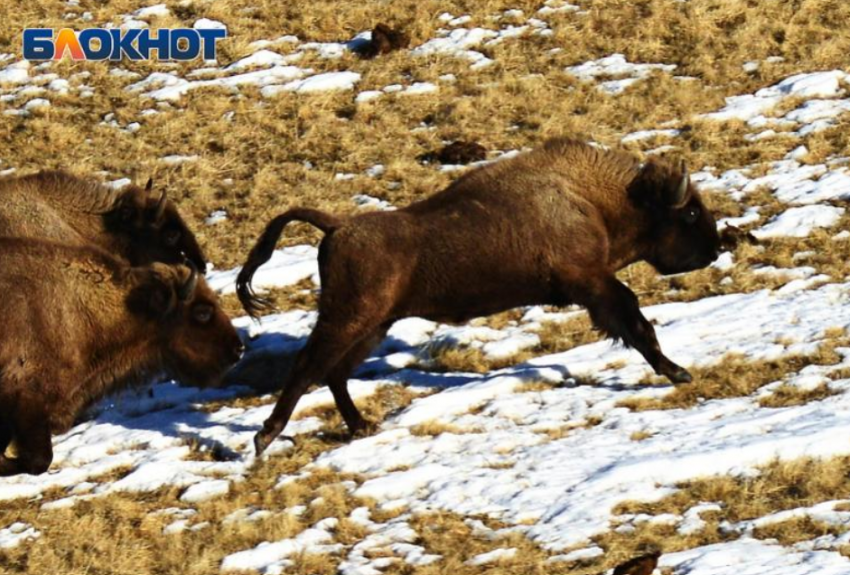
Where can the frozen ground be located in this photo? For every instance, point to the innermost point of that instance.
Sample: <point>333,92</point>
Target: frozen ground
<point>529,458</point>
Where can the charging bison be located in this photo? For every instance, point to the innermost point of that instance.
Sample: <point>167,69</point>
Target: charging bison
<point>79,323</point>
<point>551,226</point>
<point>136,224</point>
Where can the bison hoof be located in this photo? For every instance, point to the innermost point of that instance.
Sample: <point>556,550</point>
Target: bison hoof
<point>263,440</point>
<point>680,375</point>
<point>260,443</point>
<point>365,429</point>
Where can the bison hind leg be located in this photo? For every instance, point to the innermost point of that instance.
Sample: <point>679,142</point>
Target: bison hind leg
<point>337,380</point>
<point>327,346</point>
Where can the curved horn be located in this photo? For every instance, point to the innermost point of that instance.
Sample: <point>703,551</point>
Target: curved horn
<point>160,207</point>
<point>149,185</point>
<point>682,189</point>
<point>185,291</point>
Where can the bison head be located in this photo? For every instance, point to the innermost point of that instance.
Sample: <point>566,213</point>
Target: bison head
<point>195,338</point>
<point>157,232</point>
<point>681,231</point>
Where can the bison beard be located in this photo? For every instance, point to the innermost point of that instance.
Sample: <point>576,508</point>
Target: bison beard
<point>548,227</point>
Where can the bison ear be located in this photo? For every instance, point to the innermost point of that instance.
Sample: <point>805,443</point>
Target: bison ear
<point>658,185</point>
<point>154,295</point>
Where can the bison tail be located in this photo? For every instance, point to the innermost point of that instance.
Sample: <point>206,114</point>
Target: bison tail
<point>263,249</point>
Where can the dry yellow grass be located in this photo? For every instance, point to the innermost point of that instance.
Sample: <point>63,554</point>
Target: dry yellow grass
<point>263,149</point>
<point>796,530</point>
<point>252,163</point>
<point>736,376</point>
<point>778,486</point>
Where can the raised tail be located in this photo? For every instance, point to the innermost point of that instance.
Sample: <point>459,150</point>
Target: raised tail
<point>263,249</point>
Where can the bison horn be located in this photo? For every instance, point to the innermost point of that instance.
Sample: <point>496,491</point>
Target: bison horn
<point>188,288</point>
<point>160,207</point>
<point>682,189</point>
<point>149,185</point>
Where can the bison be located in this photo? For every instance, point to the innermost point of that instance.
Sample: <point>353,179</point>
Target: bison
<point>384,40</point>
<point>551,226</point>
<point>133,223</point>
<point>79,323</point>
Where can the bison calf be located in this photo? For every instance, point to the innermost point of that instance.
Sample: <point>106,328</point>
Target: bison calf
<point>137,224</point>
<point>79,323</point>
<point>550,226</point>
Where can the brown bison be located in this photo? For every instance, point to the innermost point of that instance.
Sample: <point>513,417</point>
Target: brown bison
<point>384,40</point>
<point>551,226</point>
<point>79,323</point>
<point>133,223</point>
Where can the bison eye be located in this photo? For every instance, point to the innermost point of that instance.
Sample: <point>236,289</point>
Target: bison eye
<point>171,238</point>
<point>202,313</point>
<point>691,214</point>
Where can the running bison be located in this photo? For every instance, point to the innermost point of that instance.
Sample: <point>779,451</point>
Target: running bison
<point>137,224</point>
<point>551,226</point>
<point>79,323</point>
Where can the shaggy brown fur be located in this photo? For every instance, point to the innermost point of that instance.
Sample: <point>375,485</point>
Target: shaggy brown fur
<point>462,153</point>
<point>78,323</point>
<point>548,227</point>
<point>643,565</point>
<point>384,40</point>
<point>137,224</point>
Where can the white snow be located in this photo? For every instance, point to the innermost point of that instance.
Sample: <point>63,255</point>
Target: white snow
<point>799,222</point>
<point>286,267</point>
<point>420,88</point>
<point>492,557</point>
<point>458,43</point>
<point>216,217</point>
<point>207,24</point>
<point>205,490</point>
<point>613,66</point>
<point>157,10</point>
<point>496,457</point>
<point>177,159</point>
<point>257,59</point>
<point>753,557</point>
<point>328,81</point>
<point>37,103</point>
<point>810,85</point>
<point>272,557</point>
<point>17,533</point>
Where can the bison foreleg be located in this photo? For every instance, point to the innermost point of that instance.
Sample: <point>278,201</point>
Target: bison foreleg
<point>614,309</point>
<point>327,346</point>
<point>35,452</point>
<point>5,436</point>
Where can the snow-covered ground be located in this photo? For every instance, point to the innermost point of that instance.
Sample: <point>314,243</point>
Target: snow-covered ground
<point>529,458</point>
